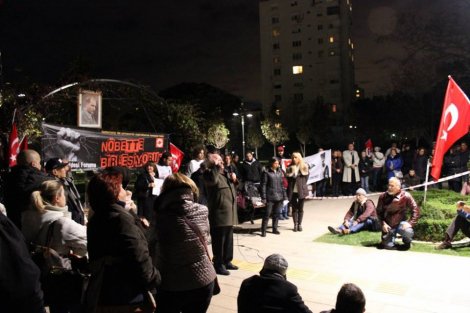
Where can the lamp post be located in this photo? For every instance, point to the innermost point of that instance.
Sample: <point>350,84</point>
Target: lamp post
<point>242,115</point>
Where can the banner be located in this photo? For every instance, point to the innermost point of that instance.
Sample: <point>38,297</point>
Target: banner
<point>90,150</point>
<point>178,156</point>
<point>319,166</point>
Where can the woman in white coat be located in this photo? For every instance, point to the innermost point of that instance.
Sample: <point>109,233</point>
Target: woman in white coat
<point>351,169</point>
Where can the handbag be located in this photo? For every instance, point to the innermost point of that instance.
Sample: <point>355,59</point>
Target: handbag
<point>199,234</point>
<point>60,282</point>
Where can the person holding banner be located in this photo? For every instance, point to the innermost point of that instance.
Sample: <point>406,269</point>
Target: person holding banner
<point>297,176</point>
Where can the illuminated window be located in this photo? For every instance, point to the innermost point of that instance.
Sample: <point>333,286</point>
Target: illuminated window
<point>276,33</point>
<point>332,53</point>
<point>276,60</point>
<point>278,112</point>
<point>297,69</point>
<point>352,46</point>
<point>331,39</point>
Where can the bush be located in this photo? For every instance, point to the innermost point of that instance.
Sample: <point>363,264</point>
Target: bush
<point>436,214</point>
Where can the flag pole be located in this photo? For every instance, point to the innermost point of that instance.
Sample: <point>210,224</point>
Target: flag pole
<point>426,182</point>
<point>13,119</point>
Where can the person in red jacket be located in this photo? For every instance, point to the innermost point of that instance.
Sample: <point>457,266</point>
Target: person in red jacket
<point>392,209</point>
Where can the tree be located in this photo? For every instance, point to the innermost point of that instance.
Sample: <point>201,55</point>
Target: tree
<point>217,135</point>
<point>255,140</point>
<point>274,132</point>
<point>304,134</point>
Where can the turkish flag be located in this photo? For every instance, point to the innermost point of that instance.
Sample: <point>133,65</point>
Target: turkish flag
<point>24,143</point>
<point>177,155</point>
<point>13,146</point>
<point>369,146</point>
<point>455,122</point>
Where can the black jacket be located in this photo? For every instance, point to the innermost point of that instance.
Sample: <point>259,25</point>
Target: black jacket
<point>269,293</point>
<point>73,201</point>
<point>251,171</point>
<point>271,186</point>
<point>20,290</point>
<point>116,234</point>
<point>21,182</point>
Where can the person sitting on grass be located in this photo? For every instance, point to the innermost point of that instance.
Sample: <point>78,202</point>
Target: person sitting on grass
<point>392,210</point>
<point>350,299</point>
<point>361,215</point>
<point>460,222</point>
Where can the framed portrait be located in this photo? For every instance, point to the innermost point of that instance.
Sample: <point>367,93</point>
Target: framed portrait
<point>89,109</point>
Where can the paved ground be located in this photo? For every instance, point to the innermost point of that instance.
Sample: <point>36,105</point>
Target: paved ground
<point>393,281</point>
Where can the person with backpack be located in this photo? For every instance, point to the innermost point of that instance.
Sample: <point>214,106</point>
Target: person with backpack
<point>361,215</point>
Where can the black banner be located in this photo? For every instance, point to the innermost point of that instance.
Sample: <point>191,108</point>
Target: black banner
<point>89,150</point>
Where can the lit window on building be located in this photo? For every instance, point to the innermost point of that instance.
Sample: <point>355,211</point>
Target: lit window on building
<point>332,53</point>
<point>297,69</point>
<point>331,39</point>
<point>278,112</point>
<point>276,32</point>
<point>296,43</point>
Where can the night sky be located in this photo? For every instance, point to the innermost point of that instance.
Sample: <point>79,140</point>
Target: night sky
<point>169,42</point>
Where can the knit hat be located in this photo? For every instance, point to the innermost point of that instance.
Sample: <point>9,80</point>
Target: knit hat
<point>280,148</point>
<point>361,191</point>
<point>276,262</point>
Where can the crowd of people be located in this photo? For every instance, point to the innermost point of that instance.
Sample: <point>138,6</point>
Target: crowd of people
<point>151,246</point>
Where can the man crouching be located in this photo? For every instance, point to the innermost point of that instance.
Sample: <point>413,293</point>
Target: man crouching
<point>391,209</point>
<point>361,215</point>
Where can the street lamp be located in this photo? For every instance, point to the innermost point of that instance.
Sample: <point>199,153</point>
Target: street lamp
<point>242,115</point>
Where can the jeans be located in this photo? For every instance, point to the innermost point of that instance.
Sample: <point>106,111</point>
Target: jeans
<point>284,210</point>
<point>388,239</point>
<point>367,224</point>
<point>376,175</point>
<point>365,183</point>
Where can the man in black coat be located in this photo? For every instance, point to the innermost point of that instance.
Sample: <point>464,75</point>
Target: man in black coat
<point>270,291</point>
<point>58,168</point>
<point>251,169</point>
<point>23,179</point>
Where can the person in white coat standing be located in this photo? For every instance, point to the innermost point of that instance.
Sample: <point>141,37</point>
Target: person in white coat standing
<point>351,169</point>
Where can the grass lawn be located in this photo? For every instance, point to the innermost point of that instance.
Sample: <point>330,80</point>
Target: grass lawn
<point>372,239</point>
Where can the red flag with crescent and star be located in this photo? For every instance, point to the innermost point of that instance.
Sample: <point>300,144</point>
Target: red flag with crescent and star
<point>13,146</point>
<point>455,122</point>
<point>177,155</point>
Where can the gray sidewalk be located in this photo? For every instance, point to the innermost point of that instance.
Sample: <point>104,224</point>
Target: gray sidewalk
<point>392,281</point>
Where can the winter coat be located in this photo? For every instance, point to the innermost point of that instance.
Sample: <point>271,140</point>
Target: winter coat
<point>180,255</point>
<point>393,209</point>
<point>349,171</point>
<point>141,187</point>
<point>116,236</point>
<point>365,165</point>
<point>419,165</point>
<point>269,292</point>
<point>409,181</point>
<point>221,198</point>
<point>297,179</point>
<point>452,165</point>
<point>378,159</point>
<point>73,200</point>
<point>251,171</point>
<point>272,188</point>
<point>20,184</point>
<point>464,158</point>
<point>19,276</point>
<point>393,164</point>
<point>67,234</point>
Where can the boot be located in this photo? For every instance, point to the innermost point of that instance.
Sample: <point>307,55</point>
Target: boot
<point>295,216</point>
<point>275,223</point>
<point>264,225</point>
<point>301,216</point>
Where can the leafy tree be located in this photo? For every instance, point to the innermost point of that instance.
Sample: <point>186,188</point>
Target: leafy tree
<point>304,135</point>
<point>255,140</point>
<point>274,132</point>
<point>217,135</point>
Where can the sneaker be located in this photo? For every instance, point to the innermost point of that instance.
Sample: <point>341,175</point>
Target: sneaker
<point>231,266</point>
<point>345,231</point>
<point>333,230</point>
<point>444,245</point>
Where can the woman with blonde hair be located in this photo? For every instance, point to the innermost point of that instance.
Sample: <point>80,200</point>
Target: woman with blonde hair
<point>297,191</point>
<point>49,216</point>
<point>180,236</point>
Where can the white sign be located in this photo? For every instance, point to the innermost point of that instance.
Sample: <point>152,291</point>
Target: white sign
<point>319,166</point>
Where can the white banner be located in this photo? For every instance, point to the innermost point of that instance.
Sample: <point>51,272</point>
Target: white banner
<point>319,166</point>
